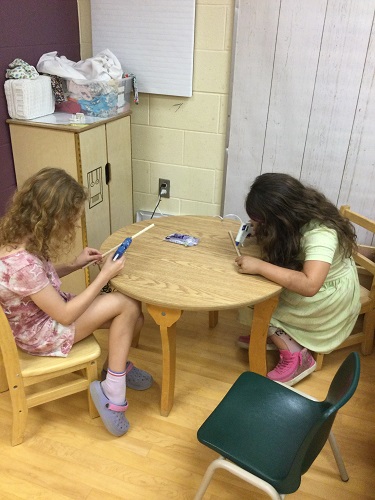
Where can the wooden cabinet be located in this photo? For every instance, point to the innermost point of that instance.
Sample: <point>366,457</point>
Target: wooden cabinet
<point>98,155</point>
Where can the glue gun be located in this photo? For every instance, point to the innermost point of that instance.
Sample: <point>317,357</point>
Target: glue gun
<point>243,232</point>
<point>122,248</point>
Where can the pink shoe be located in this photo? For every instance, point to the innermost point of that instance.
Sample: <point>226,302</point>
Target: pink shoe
<point>293,367</point>
<point>244,340</point>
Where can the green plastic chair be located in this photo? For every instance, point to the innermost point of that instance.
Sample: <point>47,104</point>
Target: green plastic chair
<point>269,434</point>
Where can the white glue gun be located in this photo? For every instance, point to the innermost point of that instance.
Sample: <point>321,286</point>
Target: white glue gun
<point>243,232</point>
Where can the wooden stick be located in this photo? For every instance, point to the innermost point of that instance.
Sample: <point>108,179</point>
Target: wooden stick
<point>116,247</point>
<point>234,244</point>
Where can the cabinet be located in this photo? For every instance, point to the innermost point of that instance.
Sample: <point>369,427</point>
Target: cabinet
<point>98,155</point>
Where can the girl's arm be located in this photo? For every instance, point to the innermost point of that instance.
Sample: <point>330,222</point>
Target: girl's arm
<point>51,302</point>
<point>306,282</point>
<point>85,257</point>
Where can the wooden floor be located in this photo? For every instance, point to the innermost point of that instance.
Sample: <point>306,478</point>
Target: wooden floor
<point>66,455</point>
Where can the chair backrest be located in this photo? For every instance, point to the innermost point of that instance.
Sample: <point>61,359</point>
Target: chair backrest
<point>359,258</point>
<point>340,391</point>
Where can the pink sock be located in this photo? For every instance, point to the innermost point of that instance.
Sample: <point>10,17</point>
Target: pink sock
<point>291,344</point>
<point>114,387</point>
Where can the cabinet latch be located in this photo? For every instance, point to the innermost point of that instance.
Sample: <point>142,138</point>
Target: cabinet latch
<point>107,170</point>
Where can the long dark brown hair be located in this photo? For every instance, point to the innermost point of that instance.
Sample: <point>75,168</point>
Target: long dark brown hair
<point>43,213</point>
<point>283,205</point>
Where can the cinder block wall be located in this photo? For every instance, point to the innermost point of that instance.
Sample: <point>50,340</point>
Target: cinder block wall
<point>179,138</point>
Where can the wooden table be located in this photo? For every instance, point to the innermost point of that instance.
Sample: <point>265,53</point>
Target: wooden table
<point>171,278</point>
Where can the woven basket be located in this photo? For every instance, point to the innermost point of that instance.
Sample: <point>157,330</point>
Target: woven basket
<point>28,99</point>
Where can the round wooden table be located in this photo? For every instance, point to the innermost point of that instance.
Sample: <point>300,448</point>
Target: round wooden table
<point>170,278</point>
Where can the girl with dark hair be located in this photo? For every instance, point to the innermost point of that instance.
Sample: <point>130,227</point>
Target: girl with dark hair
<point>306,248</point>
<point>38,227</point>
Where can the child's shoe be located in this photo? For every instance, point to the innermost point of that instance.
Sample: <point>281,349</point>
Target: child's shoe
<point>293,367</point>
<point>112,415</point>
<point>244,340</point>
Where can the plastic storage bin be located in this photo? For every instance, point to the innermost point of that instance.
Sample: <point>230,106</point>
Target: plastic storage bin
<point>100,98</point>
<point>28,99</point>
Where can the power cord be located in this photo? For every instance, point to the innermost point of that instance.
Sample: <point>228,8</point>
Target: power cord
<point>162,190</point>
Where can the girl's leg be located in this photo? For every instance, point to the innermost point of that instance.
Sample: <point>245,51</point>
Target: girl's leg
<point>282,340</point>
<point>137,330</point>
<point>122,315</point>
<point>295,362</point>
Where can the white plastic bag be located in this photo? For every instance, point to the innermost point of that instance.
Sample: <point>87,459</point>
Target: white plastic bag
<point>104,66</point>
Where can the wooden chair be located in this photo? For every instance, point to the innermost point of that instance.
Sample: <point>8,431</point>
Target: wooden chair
<point>23,374</point>
<point>366,266</point>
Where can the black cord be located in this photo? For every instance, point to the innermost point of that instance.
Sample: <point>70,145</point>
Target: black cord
<point>158,203</point>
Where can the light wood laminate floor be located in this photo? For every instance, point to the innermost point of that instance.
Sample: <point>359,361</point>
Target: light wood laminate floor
<point>66,455</point>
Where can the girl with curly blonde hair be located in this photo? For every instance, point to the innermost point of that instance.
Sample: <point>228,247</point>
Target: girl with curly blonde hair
<point>39,227</point>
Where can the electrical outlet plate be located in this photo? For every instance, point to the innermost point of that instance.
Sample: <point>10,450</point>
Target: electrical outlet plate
<point>166,190</point>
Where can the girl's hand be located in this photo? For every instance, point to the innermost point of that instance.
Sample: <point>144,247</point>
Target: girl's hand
<point>112,268</point>
<point>87,256</point>
<point>248,265</point>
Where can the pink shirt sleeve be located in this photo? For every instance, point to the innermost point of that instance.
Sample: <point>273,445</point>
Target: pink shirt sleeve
<point>31,278</point>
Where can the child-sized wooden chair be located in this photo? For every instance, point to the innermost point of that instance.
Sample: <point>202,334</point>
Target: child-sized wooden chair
<point>366,266</point>
<point>23,373</point>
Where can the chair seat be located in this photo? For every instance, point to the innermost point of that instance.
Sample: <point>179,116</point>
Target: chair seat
<point>86,350</point>
<point>270,440</point>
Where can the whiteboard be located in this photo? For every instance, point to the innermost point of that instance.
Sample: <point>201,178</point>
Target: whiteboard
<point>152,39</point>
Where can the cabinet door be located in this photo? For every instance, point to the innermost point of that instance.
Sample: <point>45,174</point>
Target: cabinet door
<point>35,148</point>
<point>121,183</point>
<point>93,159</point>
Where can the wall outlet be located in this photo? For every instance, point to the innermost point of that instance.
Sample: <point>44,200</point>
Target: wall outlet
<point>164,188</point>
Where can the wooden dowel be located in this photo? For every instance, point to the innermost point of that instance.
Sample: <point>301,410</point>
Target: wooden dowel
<point>234,244</point>
<point>142,231</point>
<point>116,247</point>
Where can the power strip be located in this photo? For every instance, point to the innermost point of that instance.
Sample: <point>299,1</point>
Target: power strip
<point>145,215</point>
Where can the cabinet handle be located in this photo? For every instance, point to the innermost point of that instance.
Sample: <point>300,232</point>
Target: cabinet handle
<point>107,170</point>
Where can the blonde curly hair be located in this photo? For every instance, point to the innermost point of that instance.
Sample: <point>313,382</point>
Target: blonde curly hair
<point>43,214</point>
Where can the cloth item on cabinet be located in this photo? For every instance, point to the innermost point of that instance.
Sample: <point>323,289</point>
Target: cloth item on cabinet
<point>104,66</point>
<point>58,89</point>
<point>70,106</point>
<point>102,105</point>
<point>19,69</point>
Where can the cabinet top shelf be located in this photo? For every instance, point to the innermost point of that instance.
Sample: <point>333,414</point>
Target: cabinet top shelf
<point>60,121</point>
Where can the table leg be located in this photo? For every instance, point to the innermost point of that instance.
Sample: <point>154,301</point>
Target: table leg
<point>166,319</point>
<point>258,335</point>
<point>213,318</point>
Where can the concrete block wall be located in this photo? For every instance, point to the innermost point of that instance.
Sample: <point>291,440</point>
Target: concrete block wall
<point>178,138</point>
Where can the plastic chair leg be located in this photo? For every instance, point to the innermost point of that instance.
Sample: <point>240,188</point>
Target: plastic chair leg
<point>221,463</point>
<point>339,461</point>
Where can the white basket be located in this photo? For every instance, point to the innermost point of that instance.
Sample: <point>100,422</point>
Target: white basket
<point>28,99</point>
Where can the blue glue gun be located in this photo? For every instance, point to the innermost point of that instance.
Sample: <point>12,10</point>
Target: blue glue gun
<point>243,232</point>
<point>122,248</point>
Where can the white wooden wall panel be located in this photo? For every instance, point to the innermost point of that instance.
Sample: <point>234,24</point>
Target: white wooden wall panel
<point>342,60</point>
<point>358,182</point>
<point>253,76</point>
<point>301,26</point>
<point>303,99</point>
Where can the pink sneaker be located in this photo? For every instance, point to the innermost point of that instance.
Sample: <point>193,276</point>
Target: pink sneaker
<point>244,340</point>
<point>293,367</point>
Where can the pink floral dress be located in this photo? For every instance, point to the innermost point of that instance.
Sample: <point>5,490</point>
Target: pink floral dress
<point>22,274</point>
